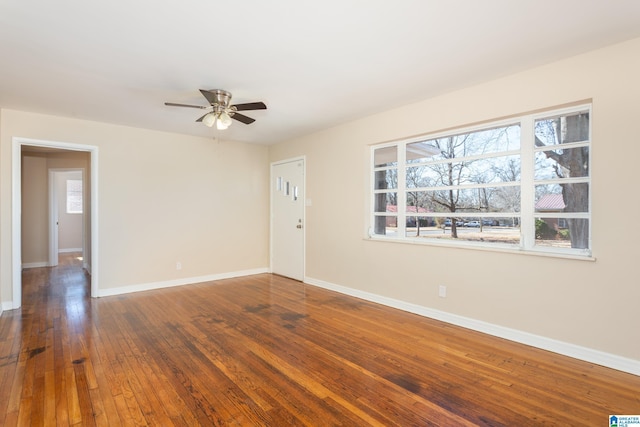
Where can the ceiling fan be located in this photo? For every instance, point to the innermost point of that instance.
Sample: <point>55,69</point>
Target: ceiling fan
<point>221,111</point>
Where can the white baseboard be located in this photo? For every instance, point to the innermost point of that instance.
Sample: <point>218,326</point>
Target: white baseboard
<point>567,349</point>
<point>35,264</point>
<point>64,251</point>
<point>177,282</point>
<point>8,305</point>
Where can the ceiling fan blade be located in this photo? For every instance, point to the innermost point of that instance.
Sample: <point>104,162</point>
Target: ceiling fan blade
<point>200,119</point>
<point>173,104</point>
<point>250,106</point>
<point>242,118</point>
<point>217,96</point>
<point>211,96</point>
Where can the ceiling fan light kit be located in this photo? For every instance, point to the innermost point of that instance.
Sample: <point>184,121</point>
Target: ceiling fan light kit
<point>209,119</point>
<point>221,111</point>
<point>224,120</point>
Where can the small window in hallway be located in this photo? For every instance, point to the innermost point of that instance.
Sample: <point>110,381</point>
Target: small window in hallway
<point>74,196</point>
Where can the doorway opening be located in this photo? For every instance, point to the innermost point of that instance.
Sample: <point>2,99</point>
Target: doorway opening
<point>66,213</point>
<point>37,166</point>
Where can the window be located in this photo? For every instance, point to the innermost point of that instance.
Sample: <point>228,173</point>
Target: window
<point>522,184</point>
<point>74,196</point>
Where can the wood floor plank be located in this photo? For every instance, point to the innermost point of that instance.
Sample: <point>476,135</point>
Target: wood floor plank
<point>49,398</point>
<point>15,395</point>
<point>107,412</point>
<point>73,404</point>
<point>268,351</point>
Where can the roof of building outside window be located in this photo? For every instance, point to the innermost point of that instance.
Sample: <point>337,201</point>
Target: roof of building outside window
<point>550,202</point>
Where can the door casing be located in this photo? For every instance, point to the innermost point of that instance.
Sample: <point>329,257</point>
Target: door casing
<point>16,211</point>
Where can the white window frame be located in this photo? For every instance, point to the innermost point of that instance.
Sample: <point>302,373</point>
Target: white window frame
<point>527,185</point>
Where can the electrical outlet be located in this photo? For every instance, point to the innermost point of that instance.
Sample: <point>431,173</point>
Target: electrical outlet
<point>442,291</point>
<point>178,265</point>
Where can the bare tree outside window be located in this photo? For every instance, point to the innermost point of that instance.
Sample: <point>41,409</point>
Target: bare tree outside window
<point>562,167</point>
<point>461,178</point>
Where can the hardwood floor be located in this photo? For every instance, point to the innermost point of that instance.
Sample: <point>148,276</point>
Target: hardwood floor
<point>265,350</point>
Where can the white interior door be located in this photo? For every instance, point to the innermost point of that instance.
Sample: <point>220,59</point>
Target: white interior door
<point>53,219</point>
<point>287,219</point>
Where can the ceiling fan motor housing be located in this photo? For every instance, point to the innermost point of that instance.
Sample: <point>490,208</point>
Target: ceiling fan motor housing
<point>221,97</point>
<point>220,100</point>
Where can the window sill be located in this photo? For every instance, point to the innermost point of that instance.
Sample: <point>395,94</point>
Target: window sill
<point>484,247</point>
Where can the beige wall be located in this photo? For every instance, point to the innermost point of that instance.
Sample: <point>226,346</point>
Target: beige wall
<point>35,227</point>
<point>162,198</point>
<point>590,304</point>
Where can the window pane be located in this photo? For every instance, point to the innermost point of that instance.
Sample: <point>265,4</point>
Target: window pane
<point>494,169</point>
<point>468,200</point>
<point>387,178</point>
<point>384,157</point>
<point>572,198</point>
<point>420,222</point>
<point>503,231</point>
<point>562,163</point>
<point>385,225</point>
<point>563,129</point>
<point>386,202</point>
<point>469,144</point>
<point>74,196</point>
<point>417,202</point>
<point>562,232</point>
<point>424,176</point>
<point>421,151</point>
<point>482,171</point>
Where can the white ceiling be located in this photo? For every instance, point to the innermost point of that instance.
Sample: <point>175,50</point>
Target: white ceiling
<point>315,64</point>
